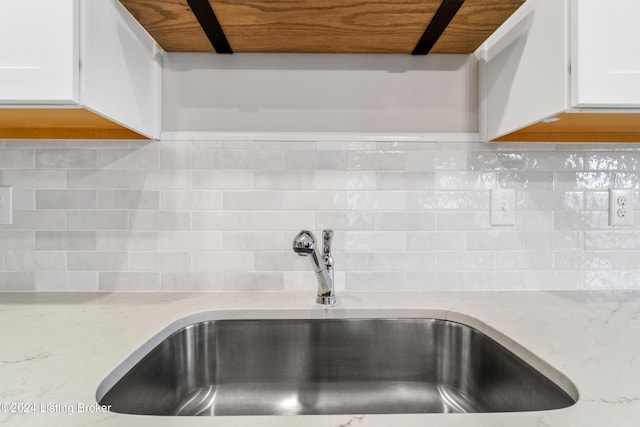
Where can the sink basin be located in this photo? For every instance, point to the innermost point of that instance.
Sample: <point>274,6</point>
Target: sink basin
<point>329,366</point>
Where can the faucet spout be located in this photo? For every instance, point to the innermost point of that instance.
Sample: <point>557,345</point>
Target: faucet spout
<point>304,244</point>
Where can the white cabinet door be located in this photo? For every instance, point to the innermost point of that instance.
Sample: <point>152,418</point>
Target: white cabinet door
<point>38,51</point>
<point>121,71</point>
<point>606,53</point>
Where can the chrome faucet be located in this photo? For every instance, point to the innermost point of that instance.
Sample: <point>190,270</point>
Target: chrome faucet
<point>304,244</point>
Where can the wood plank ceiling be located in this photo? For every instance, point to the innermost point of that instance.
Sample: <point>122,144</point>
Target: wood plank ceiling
<point>321,26</point>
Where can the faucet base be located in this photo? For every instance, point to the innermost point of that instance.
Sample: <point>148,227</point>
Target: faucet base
<point>326,300</point>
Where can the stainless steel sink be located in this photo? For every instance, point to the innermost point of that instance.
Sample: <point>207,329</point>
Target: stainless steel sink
<point>330,366</point>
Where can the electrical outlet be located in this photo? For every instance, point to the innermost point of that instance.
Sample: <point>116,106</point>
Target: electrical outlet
<point>503,206</point>
<point>6,205</point>
<point>621,207</point>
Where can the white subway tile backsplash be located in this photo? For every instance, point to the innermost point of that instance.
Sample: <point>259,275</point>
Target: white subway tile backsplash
<point>253,280</point>
<point>370,241</point>
<point>463,221</point>
<point>456,180</point>
<point>406,181</point>
<point>66,240</point>
<point>66,159</point>
<point>222,179</point>
<point>526,180</point>
<point>315,160</point>
<point>23,200</point>
<point>495,240</point>
<point>221,215</point>
<point>127,241</point>
<point>223,261</point>
<point>345,220</point>
<point>225,220</point>
<point>436,240</point>
<point>495,280</point>
<point>38,220</point>
<point>159,261</point>
<point>17,159</point>
<point>97,179</point>
<point>191,281</point>
<point>165,179</point>
<point>466,261</point>
<point>128,159</point>
<point>524,260</point>
<point>428,161</point>
<point>581,220</point>
<point>189,158</point>
<point>554,240</point>
<point>254,241</point>
<point>613,161</point>
<point>278,220</point>
<point>190,200</point>
<point>97,220</point>
<point>441,280</point>
<point>436,200</point>
<point>253,159</point>
<point>554,279</point>
<point>376,160</point>
<point>159,220</point>
<point>98,261</point>
<point>128,281</point>
<point>189,241</point>
<point>128,199</point>
<point>76,281</point>
<point>410,261</point>
<point>611,240</point>
<point>584,181</point>
<point>376,280</point>
<point>552,161</point>
<point>251,200</point>
<point>408,221</point>
<point>375,200</point>
<point>16,240</point>
<point>314,200</point>
<point>480,161</point>
<point>66,199</point>
<point>556,200</point>
<point>284,180</point>
<point>342,180</point>
<point>35,261</point>
<point>625,180</point>
<point>32,179</point>
<point>18,281</point>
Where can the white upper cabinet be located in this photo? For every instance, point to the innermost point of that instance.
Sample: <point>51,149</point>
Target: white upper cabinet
<point>76,69</point>
<point>39,51</point>
<point>563,71</point>
<point>605,53</point>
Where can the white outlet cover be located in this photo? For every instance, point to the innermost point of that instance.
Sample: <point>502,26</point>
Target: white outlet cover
<point>503,206</point>
<point>6,205</point>
<point>621,207</point>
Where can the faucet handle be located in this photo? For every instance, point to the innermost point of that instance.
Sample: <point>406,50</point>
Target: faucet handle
<point>327,236</point>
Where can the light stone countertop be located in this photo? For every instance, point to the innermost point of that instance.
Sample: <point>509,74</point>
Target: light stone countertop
<point>58,347</point>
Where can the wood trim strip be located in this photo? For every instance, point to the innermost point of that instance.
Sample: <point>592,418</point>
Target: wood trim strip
<point>210,25</point>
<point>436,27</point>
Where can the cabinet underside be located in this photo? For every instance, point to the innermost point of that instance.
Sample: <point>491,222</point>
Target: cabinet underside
<point>59,123</point>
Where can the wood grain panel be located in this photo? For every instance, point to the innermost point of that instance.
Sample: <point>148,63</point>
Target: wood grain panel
<point>581,127</point>
<point>473,24</point>
<point>59,123</point>
<point>321,26</point>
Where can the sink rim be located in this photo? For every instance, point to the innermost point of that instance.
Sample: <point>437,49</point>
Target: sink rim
<point>320,313</point>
